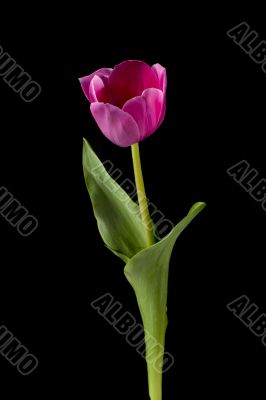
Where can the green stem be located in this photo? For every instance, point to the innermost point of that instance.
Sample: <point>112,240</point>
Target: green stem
<point>142,199</point>
<point>155,384</point>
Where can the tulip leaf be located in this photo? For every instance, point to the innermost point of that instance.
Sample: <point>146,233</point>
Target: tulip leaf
<point>117,215</point>
<point>147,272</point>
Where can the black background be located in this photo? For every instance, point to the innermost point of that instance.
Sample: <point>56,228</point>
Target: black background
<point>215,109</point>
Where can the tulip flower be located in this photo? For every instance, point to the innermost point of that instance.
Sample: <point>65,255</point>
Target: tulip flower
<point>127,102</point>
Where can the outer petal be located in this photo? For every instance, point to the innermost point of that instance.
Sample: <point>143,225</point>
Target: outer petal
<point>116,124</point>
<point>146,110</point>
<point>98,90</point>
<point>129,79</point>
<point>85,82</point>
<point>161,73</point>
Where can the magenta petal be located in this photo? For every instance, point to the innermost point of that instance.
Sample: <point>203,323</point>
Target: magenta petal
<point>85,81</point>
<point>146,111</point>
<point>137,108</point>
<point>129,79</point>
<point>161,74</point>
<point>117,125</point>
<point>98,90</point>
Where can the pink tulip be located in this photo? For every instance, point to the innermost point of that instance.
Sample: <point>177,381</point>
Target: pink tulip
<point>127,102</point>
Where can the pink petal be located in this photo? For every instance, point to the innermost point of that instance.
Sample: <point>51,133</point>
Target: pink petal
<point>117,125</point>
<point>146,110</point>
<point>85,81</point>
<point>129,79</point>
<point>98,90</point>
<point>161,74</point>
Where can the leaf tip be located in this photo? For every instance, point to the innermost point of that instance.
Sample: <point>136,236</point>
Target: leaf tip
<point>198,206</point>
<point>85,142</point>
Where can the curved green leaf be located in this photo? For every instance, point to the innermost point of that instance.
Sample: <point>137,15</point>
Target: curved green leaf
<point>117,215</point>
<point>147,272</point>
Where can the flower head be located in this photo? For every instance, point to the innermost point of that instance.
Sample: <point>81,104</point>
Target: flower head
<point>128,102</point>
